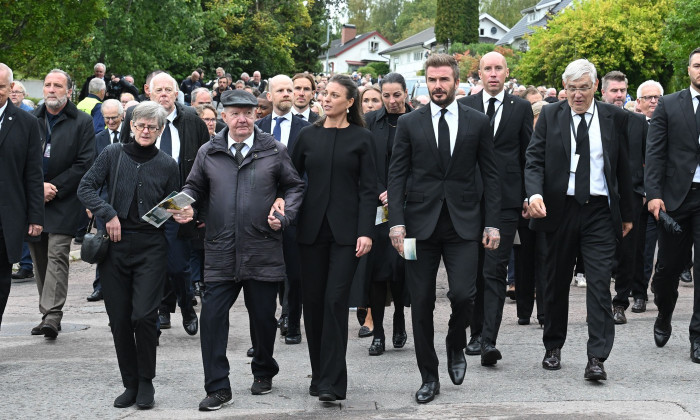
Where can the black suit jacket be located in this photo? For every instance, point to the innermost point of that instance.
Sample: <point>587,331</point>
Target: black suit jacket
<point>418,184</point>
<point>549,156</point>
<point>21,178</point>
<point>313,117</point>
<point>510,143</point>
<point>673,153</point>
<point>378,124</point>
<point>637,128</point>
<point>265,124</point>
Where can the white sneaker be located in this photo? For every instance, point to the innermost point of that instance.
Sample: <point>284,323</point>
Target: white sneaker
<point>580,280</point>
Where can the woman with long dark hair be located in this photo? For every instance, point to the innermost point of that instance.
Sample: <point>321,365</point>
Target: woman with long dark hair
<point>334,228</point>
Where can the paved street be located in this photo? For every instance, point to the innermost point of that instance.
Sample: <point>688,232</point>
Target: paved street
<point>76,375</point>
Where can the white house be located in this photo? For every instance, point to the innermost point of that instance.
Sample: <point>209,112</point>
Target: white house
<point>535,16</point>
<point>407,56</point>
<point>353,51</point>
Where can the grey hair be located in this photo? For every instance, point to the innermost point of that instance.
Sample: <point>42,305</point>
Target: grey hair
<point>197,91</point>
<point>96,85</point>
<point>19,85</point>
<point>69,81</point>
<point>650,83</point>
<point>109,103</point>
<point>577,69</point>
<point>7,68</point>
<point>537,107</point>
<point>163,75</point>
<point>149,110</point>
<point>244,74</point>
<point>100,65</point>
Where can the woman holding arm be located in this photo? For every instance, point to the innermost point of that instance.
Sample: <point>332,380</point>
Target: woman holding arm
<point>334,228</point>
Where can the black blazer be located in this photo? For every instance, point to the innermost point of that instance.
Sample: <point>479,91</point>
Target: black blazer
<point>21,178</point>
<point>672,150</point>
<point>418,184</point>
<point>510,143</point>
<point>342,183</point>
<point>313,117</point>
<point>637,128</point>
<point>102,140</point>
<point>265,124</point>
<point>549,156</point>
<point>378,124</point>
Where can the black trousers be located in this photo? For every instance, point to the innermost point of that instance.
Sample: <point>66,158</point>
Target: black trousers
<point>630,267</point>
<point>217,300</point>
<point>672,260</point>
<point>587,229</point>
<point>292,301</point>
<point>132,278</point>
<point>178,287</point>
<point>460,257</point>
<point>5,276</point>
<point>530,272</point>
<point>327,270</point>
<point>495,274</point>
<point>386,271</point>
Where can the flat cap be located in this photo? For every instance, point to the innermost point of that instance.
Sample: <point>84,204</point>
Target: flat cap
<point>238,97</point>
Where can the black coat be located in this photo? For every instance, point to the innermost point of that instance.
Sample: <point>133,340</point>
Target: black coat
<point>637,129</point>
<point>72,154</point>
<point>21,178</point>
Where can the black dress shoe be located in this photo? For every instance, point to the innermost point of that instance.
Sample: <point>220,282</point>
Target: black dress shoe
<point>313,390</point>
<point>595,371</point>
<point>619,315</point>
<point>22,274</point>
<point>144,398</point>
<point>524,321</point>
<point>552,359</point>
<point>489,354</point>
<point>250,352</point>
<point>377,347</point>
<point>190,322</point>
<point>427,392</point>
<point>283,325</point>
<point>685,276</point>
<point>474,346</point>
<point>293,336</point>
<point>95,296</point>
<point>127,398</point>
<point>37,330</point>
<point>639,306</point>
<point>662,330</point>
<point>164,319</point>
<point>365,332</point>
<point>328,396</point>
<point>456,363</point>
<point>695,351</point>
<point>399,339</point>
<point>49,329</point>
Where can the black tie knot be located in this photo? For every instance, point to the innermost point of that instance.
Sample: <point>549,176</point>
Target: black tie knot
<point>443,111</point>
<point>238,146</point>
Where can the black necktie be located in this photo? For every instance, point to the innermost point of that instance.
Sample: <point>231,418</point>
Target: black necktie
<point>697,117</point>
<point>582,184</point>
<point>301,116</point>
<point>444,140</point>
<point>238,156</point>
<point>166,140</point>
<point>491,110</point>
<point>115,137</point>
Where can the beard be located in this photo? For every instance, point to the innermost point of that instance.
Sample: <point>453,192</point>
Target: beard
<point>284,106</point>
<point>449,96</point>
<point>56,103</point>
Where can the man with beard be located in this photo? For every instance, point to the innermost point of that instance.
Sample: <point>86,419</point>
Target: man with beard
<point>68,151</point>
<point>222,87</point>
<point>304,88</point>
<point>433,197</point>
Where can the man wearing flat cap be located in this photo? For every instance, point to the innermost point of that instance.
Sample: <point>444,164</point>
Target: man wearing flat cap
<point>237,176</point>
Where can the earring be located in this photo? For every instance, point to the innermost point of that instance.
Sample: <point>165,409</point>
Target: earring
<point>347,111</point>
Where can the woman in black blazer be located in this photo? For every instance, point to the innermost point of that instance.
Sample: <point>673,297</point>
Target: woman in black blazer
<point>334,228</point>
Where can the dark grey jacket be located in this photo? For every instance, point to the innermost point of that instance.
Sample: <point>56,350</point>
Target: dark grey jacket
<point>239,244</point>
<point>155,180</point>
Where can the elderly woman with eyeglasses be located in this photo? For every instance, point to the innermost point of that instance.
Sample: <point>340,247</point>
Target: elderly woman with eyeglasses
<point>207,113</point>
<point>133,273</point>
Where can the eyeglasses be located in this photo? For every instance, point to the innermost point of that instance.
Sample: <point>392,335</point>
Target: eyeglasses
<point>112,118</point>
<point>142,126</point>
<point>650,98</point>
<point>17,92</point>
<point>209,120</point>
<point>583,89</point>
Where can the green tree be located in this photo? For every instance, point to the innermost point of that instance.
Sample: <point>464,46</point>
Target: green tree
<point>309,39</point>
<point>680,37</point>
<point>620,35</point>
<point>376,15</point>
<point>457,21</point>
<point>416,16</point>
<point>506,11</point>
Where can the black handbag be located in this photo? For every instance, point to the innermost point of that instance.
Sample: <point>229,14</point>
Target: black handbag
<point>95,245</point>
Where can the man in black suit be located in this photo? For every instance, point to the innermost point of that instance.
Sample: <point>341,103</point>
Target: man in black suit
<point>304,88</point>
<point>673,185</point>
<point>434,198</point>
<point>22,189</point>
<point>577,165</point>
<point>630,263</point>
<point>284,125</point>
<point>511,120</point>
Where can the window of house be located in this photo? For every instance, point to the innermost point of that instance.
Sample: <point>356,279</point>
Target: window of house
<point>493,30</point>
<point>417,56</point>
<point>481,31</point>
<point>373,46</point>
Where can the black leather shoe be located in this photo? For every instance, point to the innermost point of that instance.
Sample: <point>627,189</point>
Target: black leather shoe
<point>127,399</point>
<point>686,277</point>
<point>365,332</point>
<point>552,359</point>
<point>474,346</point>
<point>456,363</point>
<point>619,315</point>
<point>293,336</point>
<point>37,330</point>
<point>377,347</point>
<point>328,396</point>
<point>595,371</point>
<point>639,306</point>
<point>313,390</point>
<point>489,354</point>
<point>144,398</point>
<point>695,351</point>
<point>662,330</point>
<point>164,319</point>
<point>524,321</point>
<point>250,352</point>
<point>190,322</point>
<point>283,325</point>
<point>22,274</point>
<point>399,339</point>
<point>49,329</point>
<point>95,296</point>
<point>427,392</point>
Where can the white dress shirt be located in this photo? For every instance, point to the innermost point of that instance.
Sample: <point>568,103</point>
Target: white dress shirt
<point>597,173</point>
<point>248,144</point>
<point>452,119</point>
<point>2,114</point>
<point>498,105</point>
<point>175,137</point>
<point>695,95</point>
<point>304,114</point>
<point>286,126</point>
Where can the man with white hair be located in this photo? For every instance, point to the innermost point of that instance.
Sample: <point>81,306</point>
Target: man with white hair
<point>583,203</point>
<point>17,96</point>
<point>100,70</point>
<point>92,104</point>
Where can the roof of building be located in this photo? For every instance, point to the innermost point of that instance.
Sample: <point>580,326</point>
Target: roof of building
<point>414,40</point>
<point>337,48</point>
<point>524,27</point>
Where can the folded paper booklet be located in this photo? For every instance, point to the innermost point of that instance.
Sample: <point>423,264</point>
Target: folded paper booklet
<point>174,201</point>
<point>409,249</point>
<point>382,215</point>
